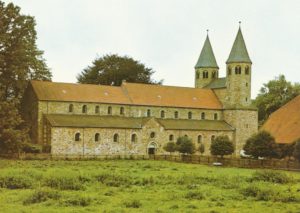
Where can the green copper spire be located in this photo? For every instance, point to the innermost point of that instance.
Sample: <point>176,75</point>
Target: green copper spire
<point>239,51</point>
<point>207,57</point>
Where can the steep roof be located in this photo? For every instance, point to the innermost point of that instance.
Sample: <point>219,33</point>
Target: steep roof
<point>90,121</point>
<point>217,84</point>
<point>239,51</point>
<point>157,95</point>
<point>284,124</point>
<point>129,94</point>
<point>207,57</point>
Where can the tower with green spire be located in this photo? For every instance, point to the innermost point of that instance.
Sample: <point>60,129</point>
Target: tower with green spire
<point>238,74</point>
<point>206,68</point>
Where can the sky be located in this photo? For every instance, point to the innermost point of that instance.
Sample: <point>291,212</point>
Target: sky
<point>167,35</point>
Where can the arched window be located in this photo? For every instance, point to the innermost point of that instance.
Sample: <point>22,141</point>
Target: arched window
<point>199,139</point>
<point>190,115</point>
<point>121,110</point>
<point>247,70</point>
<point>77,136</point>
<point>97,137</point>
<point>97,109</point>
<point>84,109</point>
<point>238,70</point>
<point>246,84</point>
<point>186,136</point>
<point>109,110</point>
<point>205,74</point>
<point>116,137</point>
<point>152,135</point>
<point>71,108</point>
<point>133,138</point>
<point>197,75</point>
<point>176,114</point>
<point>246,99</point>
<point>171,137</point>
<point>162,114</point>
<point>216,116</point>
<point>148,112</point>
<point>213,75</point>
<point>203,116</point>
<point>213,138</point>
<point>229,70</point>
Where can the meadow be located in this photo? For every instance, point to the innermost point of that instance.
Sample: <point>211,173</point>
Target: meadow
<point>143,186</point>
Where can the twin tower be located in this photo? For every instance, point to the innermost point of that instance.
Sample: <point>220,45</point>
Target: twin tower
<point>235,89</point>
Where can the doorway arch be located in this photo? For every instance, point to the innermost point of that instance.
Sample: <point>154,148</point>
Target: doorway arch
<point>151,148</point>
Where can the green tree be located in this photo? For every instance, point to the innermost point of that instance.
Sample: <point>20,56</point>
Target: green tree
<point>296,152</point>
<point>221,145</point>
<point>261,144</point>
<point>113,69</point>
<point>20,59</point>
<point>201,148</point>
<point>286,150</point>
<point>13,133</point>
<point>273,95</point>
<point>170,147</point>
<point>185,145</point>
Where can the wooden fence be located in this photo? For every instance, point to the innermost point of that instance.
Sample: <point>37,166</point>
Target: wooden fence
<point>195,159</point>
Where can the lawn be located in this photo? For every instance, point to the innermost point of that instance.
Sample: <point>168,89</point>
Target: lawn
<point>143,186</point>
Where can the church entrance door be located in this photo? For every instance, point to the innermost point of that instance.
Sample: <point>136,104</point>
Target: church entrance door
<point>152,148</point>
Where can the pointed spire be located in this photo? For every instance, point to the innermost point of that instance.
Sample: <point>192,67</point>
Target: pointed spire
<point>207,57</point>
<point>239,51</point>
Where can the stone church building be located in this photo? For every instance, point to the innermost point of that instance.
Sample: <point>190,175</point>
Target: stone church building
<point>135,118</point>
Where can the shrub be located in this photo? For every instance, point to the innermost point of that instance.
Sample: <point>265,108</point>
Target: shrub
<point>221,146</point>
<point>42,195</point>
<point>271,176</point>
<point>185,145</point>
<point>258,192</point>
<point>113,180</point>
<point>170,147</point>
<point>296,152</point>
<point>64,181</point>
<point>194,196</point>
<point>15,181</point>
<point>133,204</point>
<point>78,200</point>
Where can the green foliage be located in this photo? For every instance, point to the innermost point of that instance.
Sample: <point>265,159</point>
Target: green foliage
<point>133,204</point>
<point>201,148</point>
<point>13,134</point>
<point>271,176</point>
<point>114,180</point>
<point>261,144</point>
<point>20,59</point>
<point>273,95</point>
<point>32,148</point>
<point>285,150</point>
<point>113,69</point>
<point>170,147</point>
<point>64,181</point>
<point>221,146</point>
<point>296,152</point>
<point>42,195</point>
<point>79,200</point>
<point>185,145</point>
<point>194,195</point>
<point>15,181</point>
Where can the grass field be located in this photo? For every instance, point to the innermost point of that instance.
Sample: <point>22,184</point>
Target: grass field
<point>143,186</point>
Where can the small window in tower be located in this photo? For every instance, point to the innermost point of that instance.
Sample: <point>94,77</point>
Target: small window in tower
<point>71,108</point>
<point>77,136</point>
<point>216,116</point>
<point>109,110</point>
<point>152,135</point>
<point>121,110</point>
<point>246,84</point>
<point>247,70</point>
<point>238,70</point>
<point>246,99</point>
<point>213,75</point>
<point>97,137</point>
<point>133,138</point>
<point>199,139</point>
<point>205,74</point>
<point>176,114</point>
<point>162,114</point>
<point>229,70</point>
<point>197,75</point>
<point>213,138</point>
<point>203,116</point>
<point>84,109</point>
<point>190,115</point>
<point>97,110</point>
<point>116,137</point>
<point>148,113</point>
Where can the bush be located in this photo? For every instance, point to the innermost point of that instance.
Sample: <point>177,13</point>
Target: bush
<point>170,147</point>
<point>16,181</point>
<point>64,181</point>
<point>133,204</point>
<point>32,148</point>
<point>259,193</point>
<point>185,145</point>
<point>271,176</point>
<point>221,146</point>
<point>78,201</point>
<point>296,152</point>
<point>114,180</point>
<point>194,196</point>
<point>42,195</point>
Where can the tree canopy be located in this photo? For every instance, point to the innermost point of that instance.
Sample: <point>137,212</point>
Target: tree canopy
<point>296,152</point>
<point>221,145</point>
<point>170,147</point>
<point>273,95</point>
<point>20,59</point>
<point>185,145</point>
<point>113,69</point>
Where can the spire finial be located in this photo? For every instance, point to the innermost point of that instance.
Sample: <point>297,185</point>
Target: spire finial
<point>207,31</point>
<point>240,23</point>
